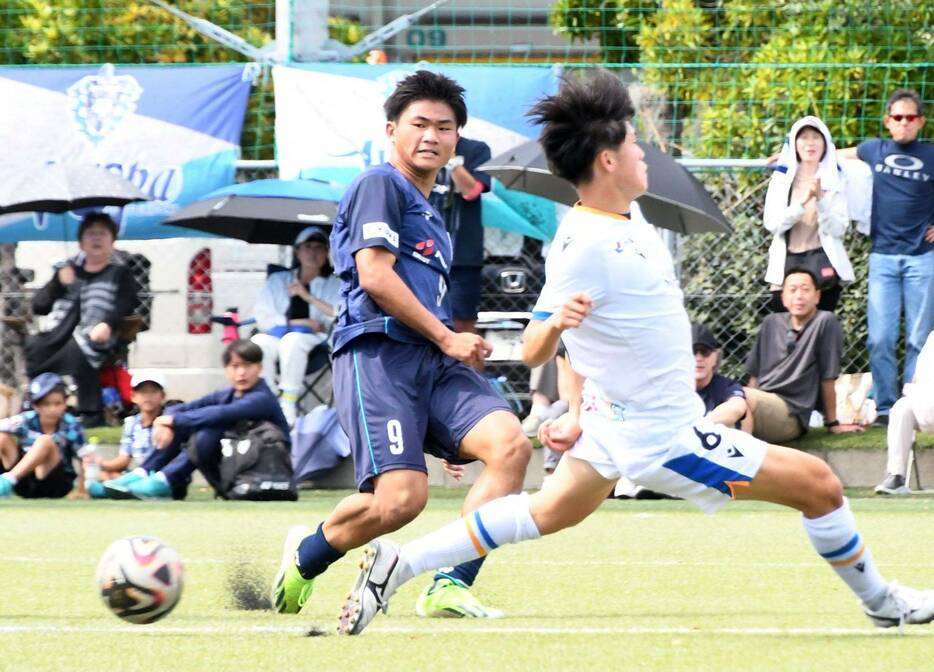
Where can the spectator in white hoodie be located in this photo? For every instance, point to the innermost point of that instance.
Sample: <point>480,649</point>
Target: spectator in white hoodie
<point>806,211</point>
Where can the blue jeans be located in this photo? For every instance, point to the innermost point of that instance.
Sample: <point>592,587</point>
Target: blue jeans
<point>896,279</point>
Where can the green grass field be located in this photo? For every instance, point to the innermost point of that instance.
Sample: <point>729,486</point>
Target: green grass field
<point>638,586</point>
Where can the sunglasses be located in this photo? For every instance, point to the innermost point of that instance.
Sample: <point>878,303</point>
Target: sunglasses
<point>702,351</point>
<point>907,117</point>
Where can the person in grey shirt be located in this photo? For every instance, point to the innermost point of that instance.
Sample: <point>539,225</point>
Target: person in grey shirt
<point>794,364</point>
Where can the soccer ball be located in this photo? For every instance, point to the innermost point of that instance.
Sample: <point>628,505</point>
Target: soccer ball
<point>140,579</point>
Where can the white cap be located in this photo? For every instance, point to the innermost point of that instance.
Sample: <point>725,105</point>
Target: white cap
<point>144,376</point>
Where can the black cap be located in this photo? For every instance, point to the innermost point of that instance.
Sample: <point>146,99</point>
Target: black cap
<point>701,335</point>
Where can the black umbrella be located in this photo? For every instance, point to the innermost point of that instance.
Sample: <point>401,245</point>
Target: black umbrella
<point>676,200</point>
<point>263,211</point>
<point>60,187</point>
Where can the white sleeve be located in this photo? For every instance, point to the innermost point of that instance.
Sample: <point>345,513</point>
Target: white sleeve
<point>568,270</point>
<point>266,310</point>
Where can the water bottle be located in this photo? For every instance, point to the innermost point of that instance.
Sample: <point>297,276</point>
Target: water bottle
<point>92,470</point>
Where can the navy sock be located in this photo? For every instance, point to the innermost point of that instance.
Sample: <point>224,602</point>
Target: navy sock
<point>466,572</point>
<point>315,554</point>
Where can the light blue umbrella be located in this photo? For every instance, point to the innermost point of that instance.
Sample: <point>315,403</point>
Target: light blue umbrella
<point>502,208</point>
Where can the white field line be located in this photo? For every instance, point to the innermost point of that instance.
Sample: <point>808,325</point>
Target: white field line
<point>436,629</point>
<point>26,559</point>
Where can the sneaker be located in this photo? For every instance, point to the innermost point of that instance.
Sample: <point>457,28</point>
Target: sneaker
<point>448,598</point>
<point>894,484</point>
<point>96,490</point>
<point>374,586</point>
<point>151,487</point>
<point>6,488</point>
<point>119,488</point>
<point>531,424</point>
<point>880,421</point>
<point>903,606</point>
<point>291,590</point>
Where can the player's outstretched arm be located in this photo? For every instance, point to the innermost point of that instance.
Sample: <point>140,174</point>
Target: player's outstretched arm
<point>729,412</point>
<point>380,281</point>
<point>540,339</point>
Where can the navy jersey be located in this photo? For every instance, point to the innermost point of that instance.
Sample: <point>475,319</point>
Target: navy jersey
<point>383,209</point>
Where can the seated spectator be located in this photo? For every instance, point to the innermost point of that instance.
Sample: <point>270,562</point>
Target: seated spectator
<point>806,211</point>
<point>795,361</point>
<point>294,313</point>
<point>913,412</point>
<point>724,398</point>
<point>136,443</point>
<point>37,448</point>
<point>167,472</point>
<point>86,300</point>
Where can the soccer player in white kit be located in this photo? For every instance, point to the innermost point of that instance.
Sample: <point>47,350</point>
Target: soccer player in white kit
<point>612,296</point>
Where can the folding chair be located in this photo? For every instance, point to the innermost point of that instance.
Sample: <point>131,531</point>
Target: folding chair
<point>913,467</point>
<point>319,366</point>
<point>319,363</point>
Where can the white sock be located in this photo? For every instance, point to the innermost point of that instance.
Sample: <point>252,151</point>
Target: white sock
<point>160,477</point>
<point>10,477</point>
<point>506,520</point>
<point>540,411</point>
<point>140,471</point>
<point>834,536</point>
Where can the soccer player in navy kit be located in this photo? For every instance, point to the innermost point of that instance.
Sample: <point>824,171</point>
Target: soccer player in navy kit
<point>403,380</point>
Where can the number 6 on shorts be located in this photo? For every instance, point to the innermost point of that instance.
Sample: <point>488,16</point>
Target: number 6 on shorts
<point>394,432</point>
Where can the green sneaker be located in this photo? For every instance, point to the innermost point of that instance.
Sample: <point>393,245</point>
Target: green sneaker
<point>449,598</point>
<point>290,590</point>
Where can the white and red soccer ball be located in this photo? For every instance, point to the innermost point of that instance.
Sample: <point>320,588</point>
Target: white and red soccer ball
<point>140,578</point>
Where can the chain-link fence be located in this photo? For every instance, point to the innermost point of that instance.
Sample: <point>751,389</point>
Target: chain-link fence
<point>722,277</point>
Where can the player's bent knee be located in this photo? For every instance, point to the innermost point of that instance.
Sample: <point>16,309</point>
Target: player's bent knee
<point>401,507</point>
<point>514,453</point>
<point>826,490</point>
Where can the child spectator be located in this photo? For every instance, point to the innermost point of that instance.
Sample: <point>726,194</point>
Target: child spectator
<point>136,443</point>
<point>167,471</point>
<point>37,447</point>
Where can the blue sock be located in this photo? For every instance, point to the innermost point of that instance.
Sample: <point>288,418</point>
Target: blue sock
<point>466,572</point>
<point>315,554</point>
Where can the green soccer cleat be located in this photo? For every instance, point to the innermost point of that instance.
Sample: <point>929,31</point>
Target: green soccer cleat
<point>449,598</point>
<point>6,488</point>
<point>96,490</point>
<point>290,590</point>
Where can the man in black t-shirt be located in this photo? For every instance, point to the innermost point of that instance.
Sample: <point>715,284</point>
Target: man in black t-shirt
<point>724,398</point>
<point>794,364</point>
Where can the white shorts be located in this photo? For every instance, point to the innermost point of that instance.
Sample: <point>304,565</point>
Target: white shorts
<point>703,463</point>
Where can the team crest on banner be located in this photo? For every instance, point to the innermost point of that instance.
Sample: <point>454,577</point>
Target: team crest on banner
<point>98,103</point>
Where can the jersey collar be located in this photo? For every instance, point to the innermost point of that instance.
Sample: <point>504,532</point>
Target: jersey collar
<point>603,213</point>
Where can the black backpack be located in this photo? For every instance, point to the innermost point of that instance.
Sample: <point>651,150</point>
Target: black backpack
<point>256,463</point>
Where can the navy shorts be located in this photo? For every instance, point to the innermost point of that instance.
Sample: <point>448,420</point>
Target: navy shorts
<point>397,401</point>
<point>465,290</point>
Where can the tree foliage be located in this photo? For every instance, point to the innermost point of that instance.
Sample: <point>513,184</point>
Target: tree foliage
<point>737,73</point>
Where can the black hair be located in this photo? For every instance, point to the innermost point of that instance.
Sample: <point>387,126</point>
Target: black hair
<point>801,269</point>
<point>427,85</point>
<point>905,94</point>
<point>327,270</point>
<point>246,350</point>
<point>819,132</point>
<point>97,218</point>
<point>586,116</point>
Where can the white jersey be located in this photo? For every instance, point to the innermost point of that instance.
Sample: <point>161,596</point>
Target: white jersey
<point>634,348</point>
